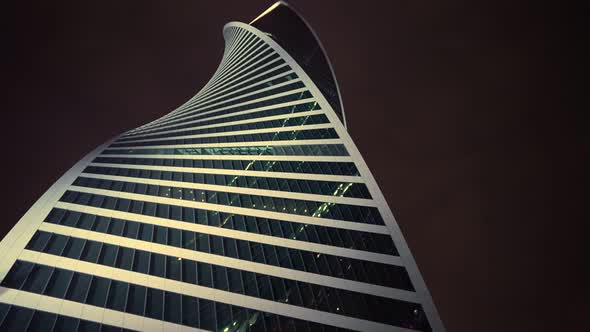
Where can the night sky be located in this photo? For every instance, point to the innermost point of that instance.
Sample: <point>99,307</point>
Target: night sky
<point>461,110</point>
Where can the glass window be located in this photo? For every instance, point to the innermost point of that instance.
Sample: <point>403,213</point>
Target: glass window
<point>204,274</point>
<point>117,295</point>
<point>108,255</point>
<point>74,248</point>
<point>136,300</point>
<point>145,232</point>
<point>56,244</point>
<point>203,242</point>
<point>235,280</point>
<point>78,287</point>
<point>86,221</point>
<point>88,326</point>
<point>189,271</point>
<point>71,219</point>
<point>16,319</point>
<point>220,277</point>
<point>39,241</point>
<point>172,307</point>
<point>173,267</point>
<point>157,265</point>
<point>125,258</point>
<point>58,284</point>
<point>174,237</point>
<point>207,314</point>
<point>38,279</point>
<point>42,322</point>
<point>264,286</point>
<point>155,303</point>
<point>190,311</point>
<point>131,229</point>
<point>216,245</point>
<point>101,224</point>
<point>91,251</point>
<point>116,227</point>
<point>141,262</point>
<point>55,216</point>
<point>65,323</point>
<point>160,234</point>
<point>97,294</point>
<point>223,316</point>
<point>188,240</point>
<point>230,247</point>
<point>18,274</point>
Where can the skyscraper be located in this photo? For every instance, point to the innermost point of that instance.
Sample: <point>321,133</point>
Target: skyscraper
<point>247,208</point>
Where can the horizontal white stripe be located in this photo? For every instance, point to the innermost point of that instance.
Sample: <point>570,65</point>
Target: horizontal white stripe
<point>219,94</point>
<point>213,294</point>
<point>251,82</point>
<point>197,107</point>
<point>234,144</point>
<point>88,312</point>
<point>227,124</point>
<point>234,157</point>
<point>191,115</point>
<point>230,262</point>
<point>278,175</point>
<point>215,117</point>
<point>239,190</point>
<point>234,234</point>
<point>239,210</point>
<point>244,132</point>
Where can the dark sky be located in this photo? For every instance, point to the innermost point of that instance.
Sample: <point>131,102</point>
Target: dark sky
<point>461,110</point>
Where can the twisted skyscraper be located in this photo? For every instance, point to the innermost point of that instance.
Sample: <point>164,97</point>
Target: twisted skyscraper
<point>248,208</point>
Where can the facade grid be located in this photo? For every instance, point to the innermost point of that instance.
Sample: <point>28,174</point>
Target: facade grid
<point>248,208</point>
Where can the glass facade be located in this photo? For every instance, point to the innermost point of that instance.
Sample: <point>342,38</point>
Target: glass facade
<point>248,208</point>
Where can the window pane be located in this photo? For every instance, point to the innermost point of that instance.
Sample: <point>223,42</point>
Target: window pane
<point>172,307</point>
<point>189,271</point>
<point>117,295</point>
<point>145,232</point>
<point>136,300</point>
<point>155,303</point>
<point>16,319</point>
<point>56,244</point>
<point>190,311</point>
<point>157,265</point>
<point>173,267</point>
<point>206,314</point>
<point>39,241</point>
<point>42,322</point>
<point>17,275</point>
<point>38,279</point>
<point>88,326</point>
<point>74,248</point>
<point>65,323</point>
<point>125,258</point>
<point>108,255</point>
<point>141,261</point>
<point>220,277</point>
<point>131,229</point>
<point>91,251</point>
<point>116,227</point>
<point>98,291</point>
<point>204,275</point>
<point>78,287</point>
<point>58,283</point>
<point>86,221</point>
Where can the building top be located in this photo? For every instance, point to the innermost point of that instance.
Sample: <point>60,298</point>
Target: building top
<point>290,30</point>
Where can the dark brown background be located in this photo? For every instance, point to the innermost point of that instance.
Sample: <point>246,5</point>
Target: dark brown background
<point>462,111</point>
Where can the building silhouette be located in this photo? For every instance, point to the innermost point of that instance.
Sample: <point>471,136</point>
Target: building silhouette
<point>248,208</point>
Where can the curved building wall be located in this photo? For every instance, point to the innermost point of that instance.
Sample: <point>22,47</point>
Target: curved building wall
<point>248,208</point>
